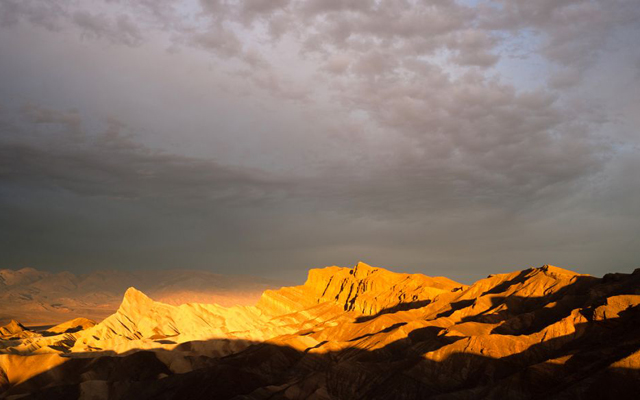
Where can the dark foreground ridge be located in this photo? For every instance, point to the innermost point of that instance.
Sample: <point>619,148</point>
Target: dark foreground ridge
<point>542,333</point>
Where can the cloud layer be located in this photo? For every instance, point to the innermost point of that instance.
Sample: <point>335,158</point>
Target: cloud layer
<point>449,137</point>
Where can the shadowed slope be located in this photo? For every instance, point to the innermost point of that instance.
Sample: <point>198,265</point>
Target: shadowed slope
<point>603,363</point>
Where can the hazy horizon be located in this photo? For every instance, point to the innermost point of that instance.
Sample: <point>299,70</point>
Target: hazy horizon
<point>292,278</point>
<point>450,138</point>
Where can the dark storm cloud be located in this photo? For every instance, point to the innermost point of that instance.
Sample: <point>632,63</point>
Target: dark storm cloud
<point>465,135</point>
<point>75,198</point>
<point>52,150</point>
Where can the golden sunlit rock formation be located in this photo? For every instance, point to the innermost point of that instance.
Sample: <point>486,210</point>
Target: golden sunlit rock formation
<point>14,329</point>
<point>353,333</point>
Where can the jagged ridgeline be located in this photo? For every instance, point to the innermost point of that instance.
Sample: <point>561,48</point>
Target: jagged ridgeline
<point>359,333</point>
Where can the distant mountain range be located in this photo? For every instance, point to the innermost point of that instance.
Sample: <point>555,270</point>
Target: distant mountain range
<point>46,298</point>
<point>349,333</point>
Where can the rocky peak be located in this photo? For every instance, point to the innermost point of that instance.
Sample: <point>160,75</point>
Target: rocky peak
<point>362,270</point>
<point>133,298</point>
<point>14,329</point>
<point>363,289</point>
<point>553,270</point>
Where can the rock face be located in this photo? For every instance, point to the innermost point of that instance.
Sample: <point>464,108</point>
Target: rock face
<point>360,333</point>
<point>363,289</point>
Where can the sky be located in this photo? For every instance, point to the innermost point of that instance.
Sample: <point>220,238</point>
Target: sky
<point>267,137</point>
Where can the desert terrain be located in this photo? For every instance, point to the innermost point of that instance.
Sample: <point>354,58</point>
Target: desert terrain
<point>349,333</point>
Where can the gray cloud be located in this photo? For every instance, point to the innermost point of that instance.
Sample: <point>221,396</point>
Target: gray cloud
<point>50,15</point>
<point>122,30</point>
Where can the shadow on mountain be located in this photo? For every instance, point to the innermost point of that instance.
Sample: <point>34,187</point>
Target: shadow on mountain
<point>521,315</point>
<point>412,305</point>
<point>398,370</point>
<point>385,330</point>
<point>504,286</point>
<point>455,306</point>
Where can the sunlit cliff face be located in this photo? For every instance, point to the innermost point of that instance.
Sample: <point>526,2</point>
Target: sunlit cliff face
<point>455,137</point>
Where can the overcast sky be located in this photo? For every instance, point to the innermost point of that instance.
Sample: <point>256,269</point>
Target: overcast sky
<point>266,137</point>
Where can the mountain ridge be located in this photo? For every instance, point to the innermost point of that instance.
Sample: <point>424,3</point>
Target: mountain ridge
<point>365,332</point>
<point>47,298</point>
